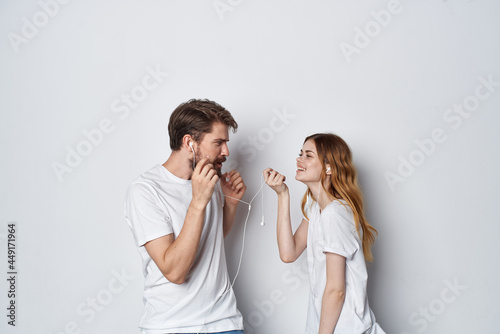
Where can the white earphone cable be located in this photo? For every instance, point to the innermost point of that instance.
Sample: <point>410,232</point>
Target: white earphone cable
<point>242,247</point>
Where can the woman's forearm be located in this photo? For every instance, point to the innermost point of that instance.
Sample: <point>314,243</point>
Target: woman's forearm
<point>286,241</point>
<point>331,306</point>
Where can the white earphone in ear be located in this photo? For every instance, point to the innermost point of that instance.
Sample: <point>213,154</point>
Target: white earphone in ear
<point>328,169</point>
<point>191,144</point>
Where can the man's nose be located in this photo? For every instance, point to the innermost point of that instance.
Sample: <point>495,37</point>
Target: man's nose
<point>225,150</point>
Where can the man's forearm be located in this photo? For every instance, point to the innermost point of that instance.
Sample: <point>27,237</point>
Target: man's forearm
<point>181,254</point>
<point>229,213</point>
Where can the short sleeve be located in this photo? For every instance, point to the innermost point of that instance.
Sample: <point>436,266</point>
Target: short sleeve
<point>339,234</point>
<point>143,214</point>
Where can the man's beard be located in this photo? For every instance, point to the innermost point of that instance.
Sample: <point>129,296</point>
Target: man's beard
<point>218,169</point>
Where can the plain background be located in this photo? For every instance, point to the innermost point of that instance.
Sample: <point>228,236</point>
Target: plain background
<point>280,68</point>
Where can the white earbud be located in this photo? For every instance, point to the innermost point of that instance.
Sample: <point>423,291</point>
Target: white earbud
<point>328,169</point>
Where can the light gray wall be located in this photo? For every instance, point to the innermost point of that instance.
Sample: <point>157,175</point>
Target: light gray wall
<point>412,86</point>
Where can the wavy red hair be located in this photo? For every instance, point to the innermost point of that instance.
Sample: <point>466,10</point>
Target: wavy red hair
<point>334,151</point>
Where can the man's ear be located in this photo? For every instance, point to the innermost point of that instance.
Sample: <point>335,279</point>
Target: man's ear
<point>187,142</point>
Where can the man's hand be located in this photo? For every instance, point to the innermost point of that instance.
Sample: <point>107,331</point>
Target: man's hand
<point>203,183</point>
<point>233,187</point>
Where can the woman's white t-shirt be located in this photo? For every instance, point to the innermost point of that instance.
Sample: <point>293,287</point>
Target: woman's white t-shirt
<point>333,231</point>
<point>156,205</point>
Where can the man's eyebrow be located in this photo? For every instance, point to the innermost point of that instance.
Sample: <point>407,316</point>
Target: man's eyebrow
<point>220,139</point>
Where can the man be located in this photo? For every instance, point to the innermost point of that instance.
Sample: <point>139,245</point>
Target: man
<point>179,214</point>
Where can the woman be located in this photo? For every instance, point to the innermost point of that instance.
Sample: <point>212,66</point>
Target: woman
<point>337,236</point>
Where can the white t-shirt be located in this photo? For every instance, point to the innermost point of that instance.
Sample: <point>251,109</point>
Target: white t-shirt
<point>156,205</point>
<point>333,231</point>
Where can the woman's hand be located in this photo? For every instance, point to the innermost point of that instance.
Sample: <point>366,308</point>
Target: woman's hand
<point>275,180</point>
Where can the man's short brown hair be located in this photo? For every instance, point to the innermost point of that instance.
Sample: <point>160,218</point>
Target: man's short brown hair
<point>196,117</point>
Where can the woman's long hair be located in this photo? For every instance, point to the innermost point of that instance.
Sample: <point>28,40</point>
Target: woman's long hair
<point>334,151</point>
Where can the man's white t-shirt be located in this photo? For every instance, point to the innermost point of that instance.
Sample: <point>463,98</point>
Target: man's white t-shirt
<point>333,231</point>
<point>156,205</point>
